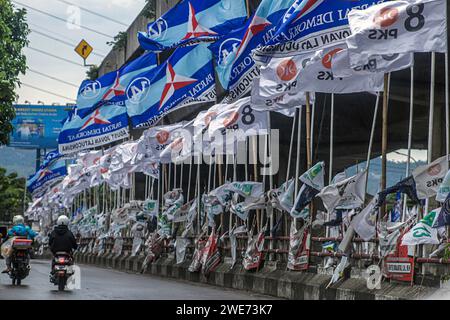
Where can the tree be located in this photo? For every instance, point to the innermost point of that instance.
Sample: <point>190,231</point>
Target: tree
<point>12,190</point>
<point>92,73</point>
<point>120,41</point>
<point>150,9</point>
<point>13,38</point>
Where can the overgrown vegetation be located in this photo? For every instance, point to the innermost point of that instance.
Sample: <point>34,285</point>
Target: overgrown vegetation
<point>92,73</point>
<point>120,41</point>
<point>150,9</point>
<point>12,190</point>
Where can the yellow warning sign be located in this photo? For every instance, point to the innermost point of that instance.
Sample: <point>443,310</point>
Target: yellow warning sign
<point>84,49</point>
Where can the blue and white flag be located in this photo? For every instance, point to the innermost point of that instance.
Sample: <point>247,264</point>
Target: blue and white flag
<point>103,126</point>
<point>233,53</point>
<point>309,25</point>
<point>396,212</point>
<point>193,21</point>
<point>186,78</point>
<point>50,157</point>
<point>45,176</point>
<point>110,88</point>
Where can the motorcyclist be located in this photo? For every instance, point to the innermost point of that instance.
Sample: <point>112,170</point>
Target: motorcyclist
<point>61,239</point>
<point>18,230</point>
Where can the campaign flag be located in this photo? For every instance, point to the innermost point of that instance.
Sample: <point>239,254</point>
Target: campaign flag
<point>317,75</point>
<point>46,175</point>
<point>429,177</point>
<point>238,120</point>
<point>423,232</point>
<point>365,65</point>
<point>284,103</point>
<point>364,223</point>
<point>396,211</point>
<point>181,147</point>
<point>193,21</point>
<point>406,186</point>
<point>399,27</point>
<point>103,126</point>
<point>110,88</point>
<point>50,157</point>
<point>444,188</point>
<point>309,25</point>
<point>186,78</point>
<point>345,194</point>
<point>443,218</point>
<point>233,53</point>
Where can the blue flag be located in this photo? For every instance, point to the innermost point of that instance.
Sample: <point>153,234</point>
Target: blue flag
<point>310,25</point>
<point>396,211</point>
<point>186,78</point>
<point>50,157</point>
<point>46,176</point>
<point>443,218</point>
<point>193,21</point>
<point>110,88</point>
<point>233,53</point>
<point>103,126</point>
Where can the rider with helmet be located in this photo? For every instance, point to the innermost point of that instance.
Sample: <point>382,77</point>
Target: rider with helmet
<point>18,230</point>
<point>61,239</point>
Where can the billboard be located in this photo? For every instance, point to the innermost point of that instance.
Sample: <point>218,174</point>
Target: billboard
<point>37,126</point>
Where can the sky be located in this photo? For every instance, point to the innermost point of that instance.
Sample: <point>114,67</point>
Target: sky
<point>122,10</point>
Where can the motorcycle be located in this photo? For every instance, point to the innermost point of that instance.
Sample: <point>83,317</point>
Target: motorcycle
<point>20,260</point>
<point>61,269</point>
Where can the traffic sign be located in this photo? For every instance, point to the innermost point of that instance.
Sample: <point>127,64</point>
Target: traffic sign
<point>84,49</point>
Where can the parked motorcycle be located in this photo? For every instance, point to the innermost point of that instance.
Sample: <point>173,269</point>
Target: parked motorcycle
<point>61,269</point>
<point>20,260</point>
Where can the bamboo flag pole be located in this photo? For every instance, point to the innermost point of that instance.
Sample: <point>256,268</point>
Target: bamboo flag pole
<point>255,176</point>
<point>189,180</point>
<point>330,174</point>
<point>410,129</point>
<point>372,135</point>
<point>308,132</point>
<point>431,116</point>
<point>384,140</point>
<point>299,137</point>
<point>291,146</point>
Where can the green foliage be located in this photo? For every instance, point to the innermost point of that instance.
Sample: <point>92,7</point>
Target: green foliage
<point>11,195</point>
<point>92,73</point>
<point>13,38</point>
<point>120,41</point>
<point>150,10</point>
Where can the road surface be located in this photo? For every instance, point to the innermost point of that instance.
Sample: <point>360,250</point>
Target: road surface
<point>100,284</point>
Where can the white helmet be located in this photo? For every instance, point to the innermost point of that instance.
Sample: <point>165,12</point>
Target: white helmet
<point>62,221</point>
<point>18,220</point>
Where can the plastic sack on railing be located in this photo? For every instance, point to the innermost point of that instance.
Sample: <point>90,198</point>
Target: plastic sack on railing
<point>254,254</point>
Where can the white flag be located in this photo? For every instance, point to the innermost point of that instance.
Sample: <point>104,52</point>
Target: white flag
<point>181,146</point>
<point>346,194</point>
<point>364,223</point>
<point>423,232</point>
<point>314,177</point>
<point>444,188</point>
<point>399,27</point>
<point>365,65</point>
<point>317,75</point>
<point>429,177</point>
<point>240,120</point>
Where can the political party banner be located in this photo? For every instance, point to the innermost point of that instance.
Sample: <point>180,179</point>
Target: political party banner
<point>238,120</point>
<point>181,147</point>
<point>186,78</point>
<point>345,194</point>
<point>423,232</point>
<point>342,68</point>
<point>46,176</point>
<point>299,248</point>
<point>103,126</point>
<point>399,265</point>
<point>444,188</point>
<point>284,103</point>
<point>309,25</point>
<point>233,53</point>
<point>193,21</point>
<point>399,27</point>
<point>110,88</point>
<point>37,126</point>
<point>364,223</point>
<point>317,75</point>
<point>429,177</point>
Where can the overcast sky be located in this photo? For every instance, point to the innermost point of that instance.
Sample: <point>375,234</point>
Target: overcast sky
<point>121,10</point>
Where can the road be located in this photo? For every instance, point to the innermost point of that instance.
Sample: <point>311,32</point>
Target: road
<point>107,284</point>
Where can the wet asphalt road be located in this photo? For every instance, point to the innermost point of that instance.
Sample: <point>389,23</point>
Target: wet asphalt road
<point>101,284</point>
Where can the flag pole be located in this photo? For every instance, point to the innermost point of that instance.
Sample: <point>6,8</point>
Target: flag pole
<point>372,134</point>
<point>313,114</point>
<point>308,132</point>
<point>189,180</point>
<point>299,136</point>
<point>447,103</point>
<point>291,146</point>
<point>330,174</point>
<point>384,139</point>
<point>431,116</point>
<point>410,129</point>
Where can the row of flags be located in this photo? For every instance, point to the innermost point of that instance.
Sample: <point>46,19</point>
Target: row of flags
<point>266,61</point>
